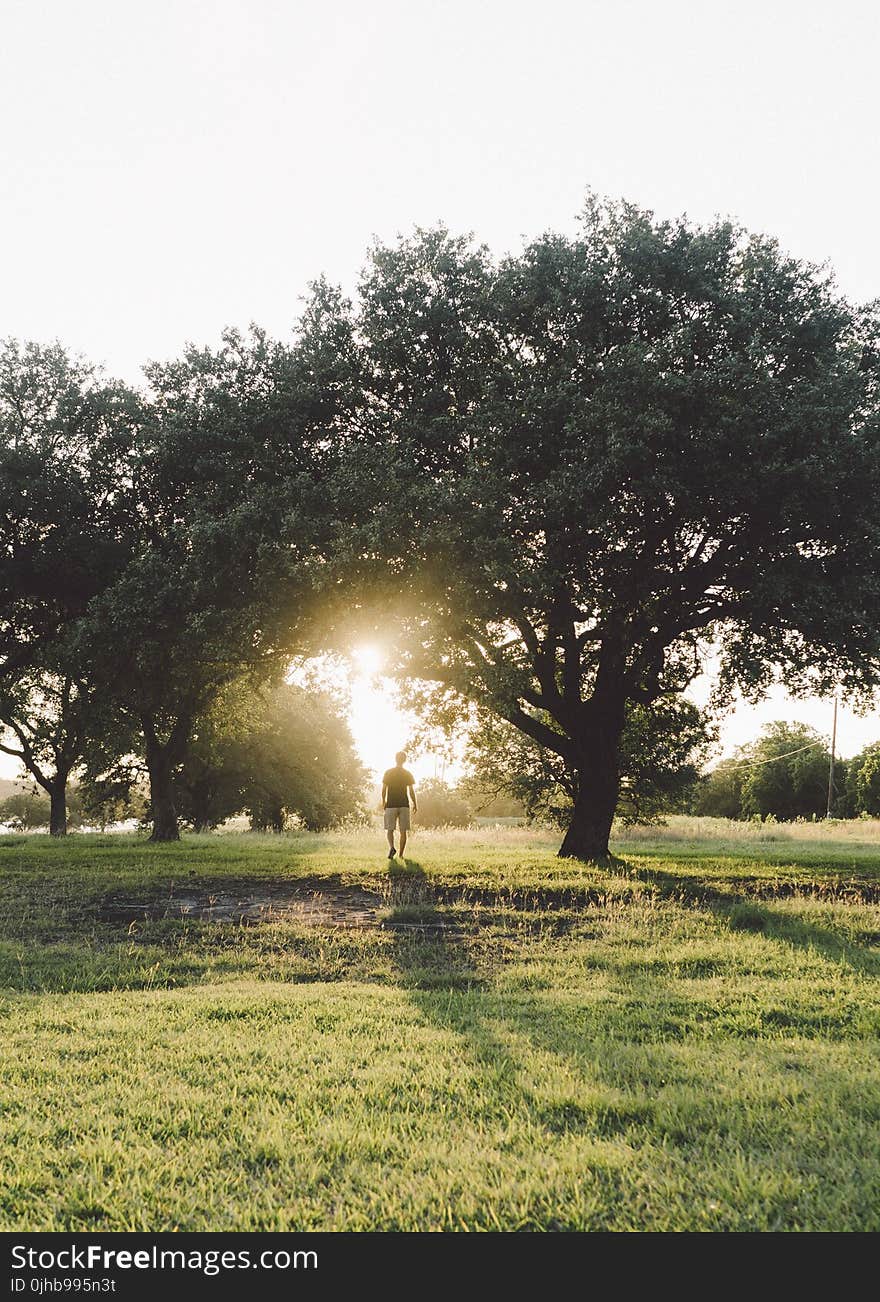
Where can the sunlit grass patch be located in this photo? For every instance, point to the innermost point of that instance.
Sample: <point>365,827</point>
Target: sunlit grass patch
<point>504,1040</point>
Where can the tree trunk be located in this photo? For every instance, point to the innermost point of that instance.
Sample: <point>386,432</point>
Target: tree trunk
<point>278,819</point>
<point>58,808</point>
<point>162,804</point>
<point>590,826</point>
<point>200,799</point>
<point>598,791</point>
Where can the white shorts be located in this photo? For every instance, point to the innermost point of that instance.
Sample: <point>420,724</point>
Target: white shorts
<point>399,813</point>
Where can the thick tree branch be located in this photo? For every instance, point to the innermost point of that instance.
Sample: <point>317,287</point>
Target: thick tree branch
<point>539,732</point>
<point>26,754</point>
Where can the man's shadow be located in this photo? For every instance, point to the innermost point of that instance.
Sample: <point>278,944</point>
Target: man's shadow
<point>429,943</point>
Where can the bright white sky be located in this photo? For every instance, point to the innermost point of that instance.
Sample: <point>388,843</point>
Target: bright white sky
<point>175,166</point>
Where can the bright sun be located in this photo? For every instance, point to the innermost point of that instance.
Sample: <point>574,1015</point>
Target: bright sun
<point>368,659</point>
<point>378,725</point>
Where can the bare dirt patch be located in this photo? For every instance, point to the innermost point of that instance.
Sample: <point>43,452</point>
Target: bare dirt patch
<point>412,903</point>
<point>309,902</point>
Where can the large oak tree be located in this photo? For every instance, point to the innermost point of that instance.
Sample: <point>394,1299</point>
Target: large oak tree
<point>580,467</point>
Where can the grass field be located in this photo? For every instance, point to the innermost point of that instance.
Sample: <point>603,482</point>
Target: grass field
<point>266,1033</point>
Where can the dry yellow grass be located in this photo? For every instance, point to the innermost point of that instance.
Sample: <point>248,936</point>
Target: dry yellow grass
<point>684,827</point>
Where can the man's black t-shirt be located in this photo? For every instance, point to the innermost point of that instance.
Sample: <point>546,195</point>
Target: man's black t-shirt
<point>397,780</point>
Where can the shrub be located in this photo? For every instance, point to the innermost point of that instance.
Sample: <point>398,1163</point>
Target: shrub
<point>441,806</point>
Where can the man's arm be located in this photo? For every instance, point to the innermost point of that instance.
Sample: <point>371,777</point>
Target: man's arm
<point>412,796</point>
<point>384,794</point>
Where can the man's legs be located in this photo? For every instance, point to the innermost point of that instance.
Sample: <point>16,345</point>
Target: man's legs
<point>402,838</point>
<point>390,821</point>
<point>391,839</point>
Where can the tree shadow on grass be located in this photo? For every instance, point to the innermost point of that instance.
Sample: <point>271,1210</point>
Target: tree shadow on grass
<point>604,1068</point>
<point>754,911</point>
<point>543,1067</point>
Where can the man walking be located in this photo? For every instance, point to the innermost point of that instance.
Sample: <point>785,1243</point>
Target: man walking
<point>398,784</point>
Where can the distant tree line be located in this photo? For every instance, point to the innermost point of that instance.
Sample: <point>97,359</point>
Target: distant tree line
<point>279,755</point>
<point>549,483</point>
<point>784,774</point>
<point>287,757</point>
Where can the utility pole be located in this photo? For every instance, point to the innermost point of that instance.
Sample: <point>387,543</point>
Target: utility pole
<point>831,762</point>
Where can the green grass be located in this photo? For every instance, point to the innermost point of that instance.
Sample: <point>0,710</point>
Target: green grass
<point>685,1039</point>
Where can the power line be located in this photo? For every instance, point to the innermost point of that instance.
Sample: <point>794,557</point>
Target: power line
<point>754,764</point>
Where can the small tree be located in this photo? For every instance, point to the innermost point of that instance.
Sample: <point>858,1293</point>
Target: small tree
<point>277,752</point>
<point>47,718</point>
<point>718,793</point>
<point>786,773</point>
<point>31,810</point>
<point>302,763</point>
<point>25,811</point>
<point>862,782</point>
<point>442,806</point>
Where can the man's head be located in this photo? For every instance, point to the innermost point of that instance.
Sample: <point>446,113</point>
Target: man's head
<point>400,757</point>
